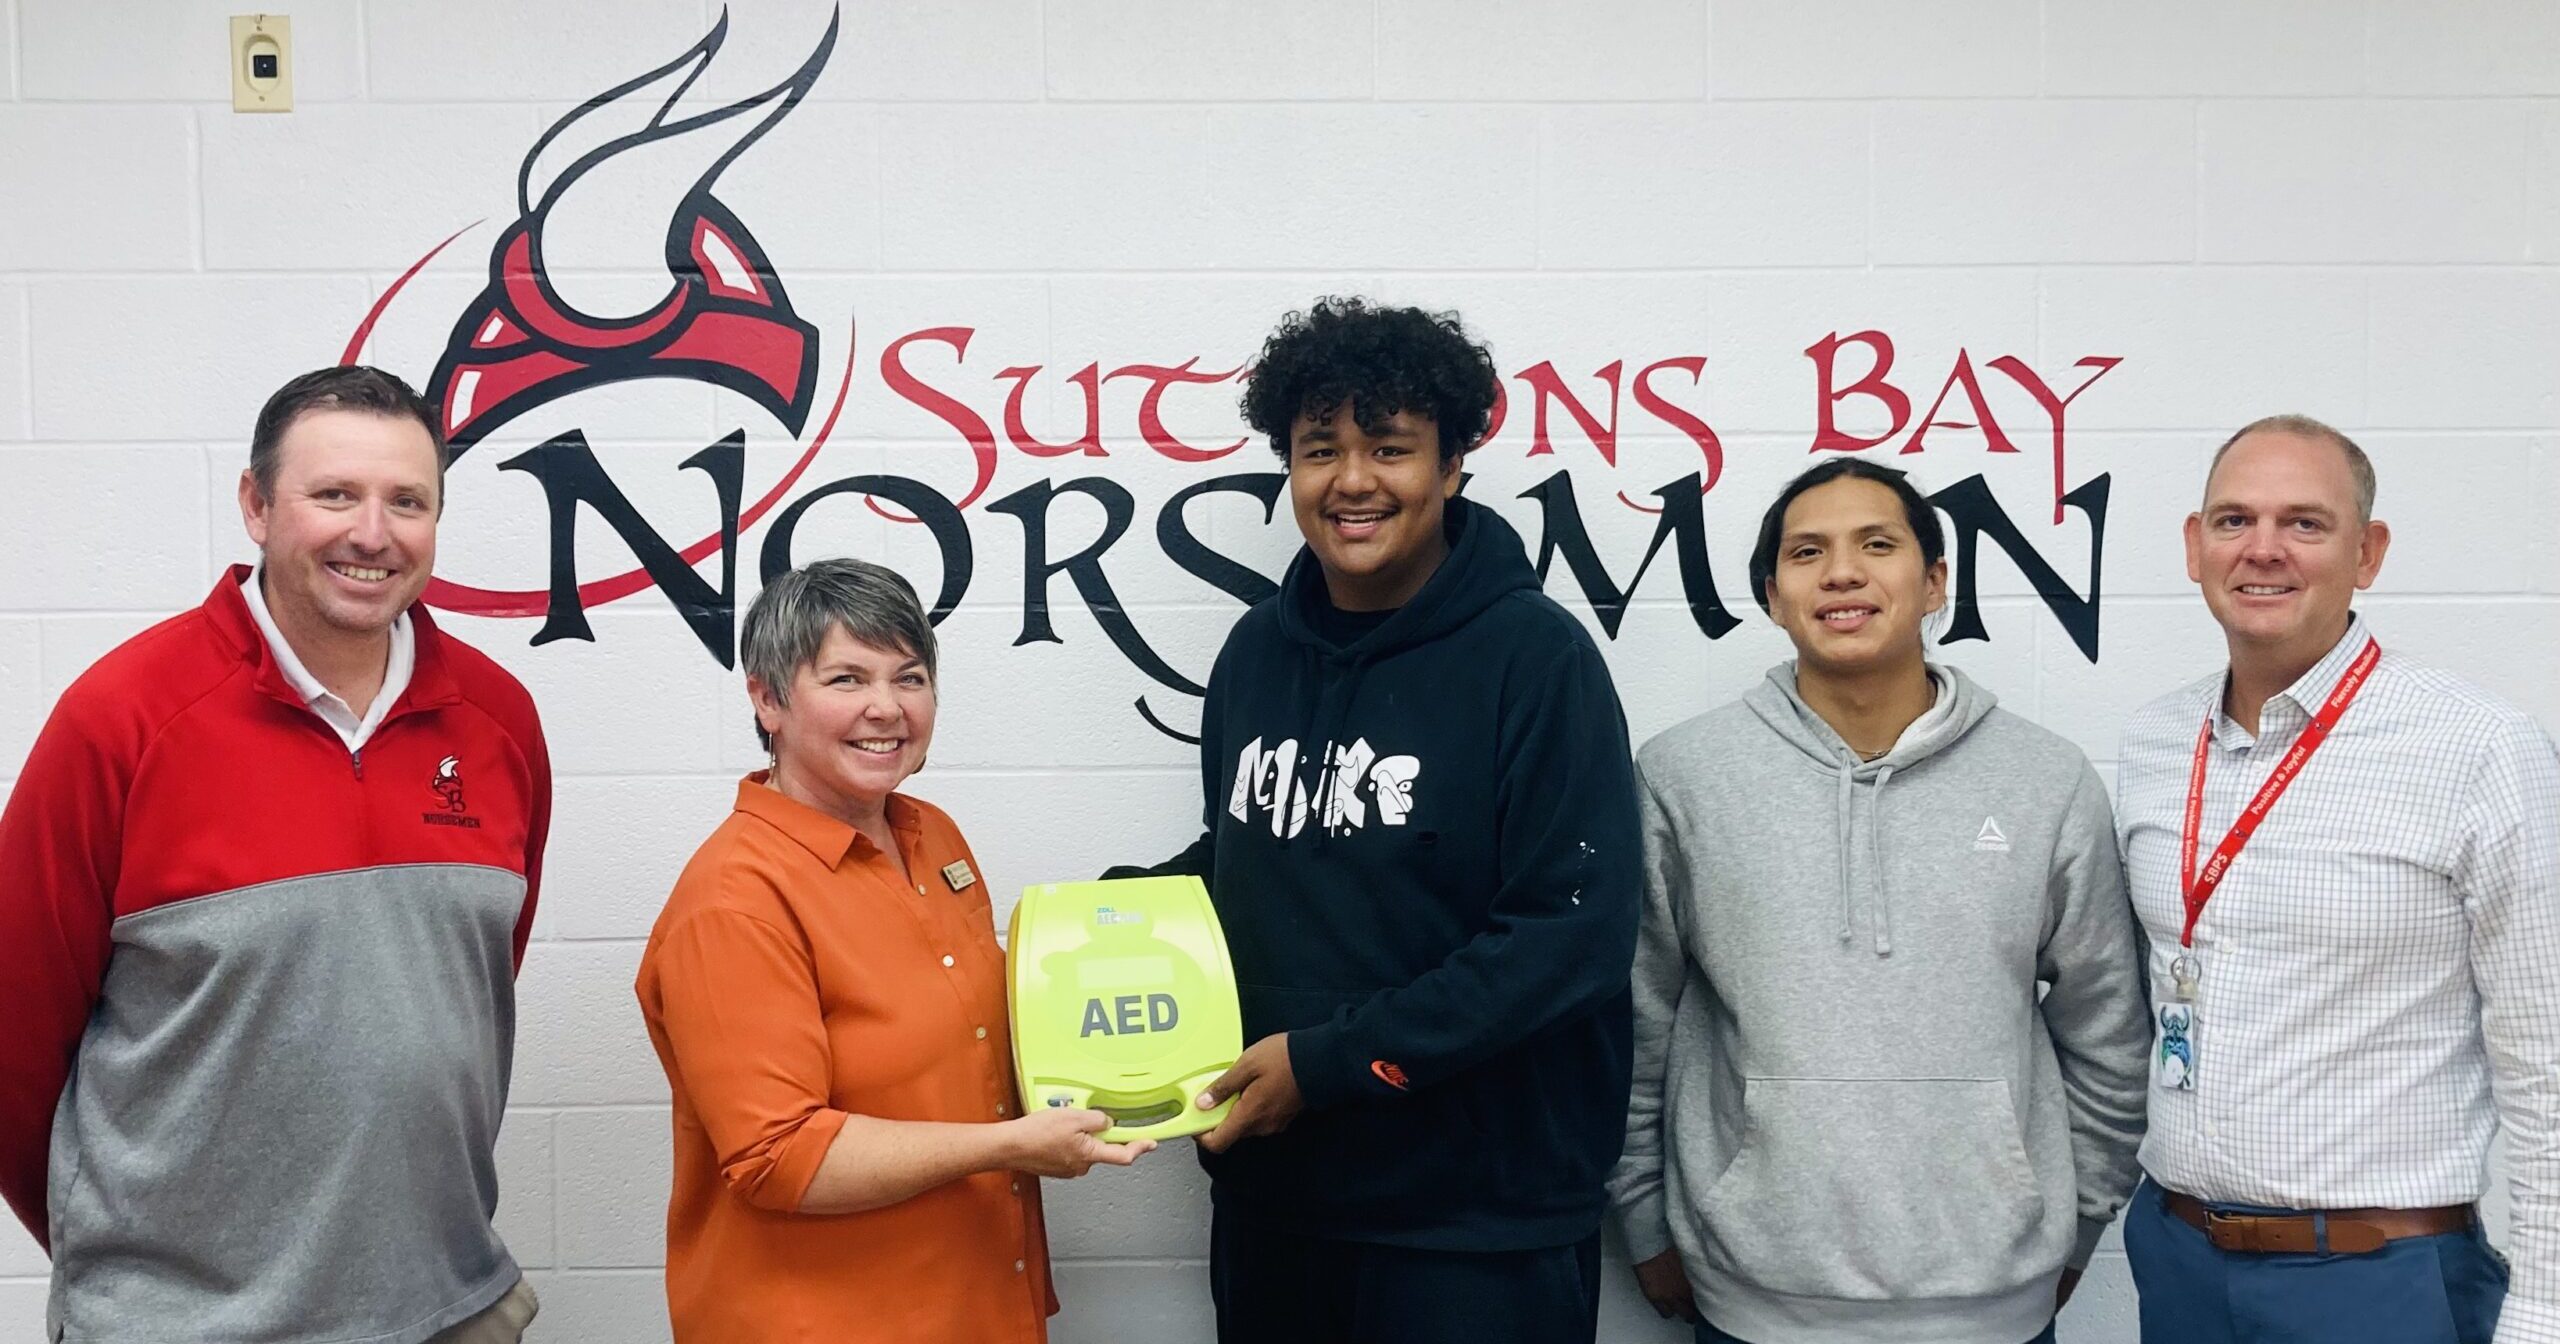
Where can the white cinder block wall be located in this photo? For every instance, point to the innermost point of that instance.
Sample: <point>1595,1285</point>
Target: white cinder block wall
<point>2347,209</point>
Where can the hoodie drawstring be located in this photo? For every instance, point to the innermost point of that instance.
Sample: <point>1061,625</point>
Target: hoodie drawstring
<point>1846,824</point>
<point>1875,841</point>
<point>1956,705</point>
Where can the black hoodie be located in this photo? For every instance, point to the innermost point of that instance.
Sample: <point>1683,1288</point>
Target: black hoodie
<point>1424,848</point>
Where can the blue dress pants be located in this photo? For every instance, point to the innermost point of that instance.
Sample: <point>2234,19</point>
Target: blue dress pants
<point>2417,1290</point>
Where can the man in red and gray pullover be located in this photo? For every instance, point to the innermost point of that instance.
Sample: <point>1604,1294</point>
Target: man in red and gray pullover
<point>264,884</point>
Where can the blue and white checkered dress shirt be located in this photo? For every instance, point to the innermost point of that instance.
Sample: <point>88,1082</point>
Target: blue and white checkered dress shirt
<point>2381,965</point>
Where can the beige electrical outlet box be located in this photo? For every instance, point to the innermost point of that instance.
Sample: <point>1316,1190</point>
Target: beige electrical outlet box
<point>261,63</point>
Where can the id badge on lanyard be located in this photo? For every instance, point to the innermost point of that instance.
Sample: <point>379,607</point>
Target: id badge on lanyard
<point>2175,1063</point>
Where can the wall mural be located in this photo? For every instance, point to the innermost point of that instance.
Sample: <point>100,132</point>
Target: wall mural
<point>726,318</point>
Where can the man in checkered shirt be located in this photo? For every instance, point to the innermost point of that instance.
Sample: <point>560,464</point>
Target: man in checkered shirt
<point>2373,989</point>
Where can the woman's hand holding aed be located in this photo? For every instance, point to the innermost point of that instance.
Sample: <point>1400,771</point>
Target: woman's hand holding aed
<point>1059,1142</point>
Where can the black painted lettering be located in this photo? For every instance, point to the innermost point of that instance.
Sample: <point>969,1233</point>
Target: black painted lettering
<point>950,531</point>
<point>1969,505</point>
<point>570,475</point>
<point>1030,506</point>
<point>1684,525</point>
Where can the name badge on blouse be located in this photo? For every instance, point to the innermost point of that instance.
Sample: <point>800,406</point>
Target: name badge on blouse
<point>956,873</point>
<point>2174,1062</point>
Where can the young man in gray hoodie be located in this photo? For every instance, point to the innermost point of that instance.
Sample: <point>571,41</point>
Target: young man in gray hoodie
<point>1856,1120</point>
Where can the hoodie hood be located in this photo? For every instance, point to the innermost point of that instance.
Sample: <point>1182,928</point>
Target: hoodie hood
<point>1959,706</point>
<point>1486,563</point>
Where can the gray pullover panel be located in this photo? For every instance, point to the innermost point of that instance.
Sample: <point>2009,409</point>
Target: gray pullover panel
<point>256,1055</point>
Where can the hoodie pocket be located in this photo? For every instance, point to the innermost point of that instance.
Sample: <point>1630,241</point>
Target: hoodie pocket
<point>1876,1189</point>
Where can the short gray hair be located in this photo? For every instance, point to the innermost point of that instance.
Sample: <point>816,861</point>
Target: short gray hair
<point>2358,465</point>
<point>792,617</point>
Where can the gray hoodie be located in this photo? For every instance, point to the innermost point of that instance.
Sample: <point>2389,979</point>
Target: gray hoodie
<point>1853,1115</point>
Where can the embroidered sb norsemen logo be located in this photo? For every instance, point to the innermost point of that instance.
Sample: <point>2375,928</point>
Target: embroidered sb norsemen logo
<point>446,785</point>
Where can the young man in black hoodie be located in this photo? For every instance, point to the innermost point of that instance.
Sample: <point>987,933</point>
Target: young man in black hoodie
<point>1422,838</point>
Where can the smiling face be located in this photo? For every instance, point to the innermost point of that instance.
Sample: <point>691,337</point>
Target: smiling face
<point>855,723</point>
<point>1370,503</point>
<point>1850,586</point>
<point>2280,548</point>
<point>349,537</point>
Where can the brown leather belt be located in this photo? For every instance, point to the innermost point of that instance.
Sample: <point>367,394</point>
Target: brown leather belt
<point>2351,1231</point>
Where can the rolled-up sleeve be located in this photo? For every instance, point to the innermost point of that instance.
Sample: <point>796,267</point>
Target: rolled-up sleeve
<point>736,1013</point>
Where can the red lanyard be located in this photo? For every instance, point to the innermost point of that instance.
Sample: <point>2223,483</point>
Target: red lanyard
<point>2198,886</point>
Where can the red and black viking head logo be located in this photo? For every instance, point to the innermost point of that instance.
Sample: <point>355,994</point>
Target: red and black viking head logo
<point>725,319</point>
<point>447,784</point>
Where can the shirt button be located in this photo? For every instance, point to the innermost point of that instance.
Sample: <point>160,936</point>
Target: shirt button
<point>982,1033</point>
<point>946,961</point>
<point>1017,1187</point>
<point>1017,1266</point>
<point>1003,1109</point>
<point>919,888</point>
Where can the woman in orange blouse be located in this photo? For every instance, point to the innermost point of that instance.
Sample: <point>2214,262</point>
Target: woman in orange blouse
<point>824,989</point>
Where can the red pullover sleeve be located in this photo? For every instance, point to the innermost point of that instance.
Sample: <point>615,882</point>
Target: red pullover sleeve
<point>60,844</point>
<point>508,707</point>
<point>537,834</point>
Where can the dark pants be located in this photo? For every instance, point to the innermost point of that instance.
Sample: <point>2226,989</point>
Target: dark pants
<point>1708,1334</point>
<point>1276,1287</point>
<point>2417,1290</point>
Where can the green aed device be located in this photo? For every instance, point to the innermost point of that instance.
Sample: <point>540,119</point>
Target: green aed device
<point>1123,1001</point>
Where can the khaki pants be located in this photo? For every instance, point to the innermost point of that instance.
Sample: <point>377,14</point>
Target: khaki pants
<point>502,1323</point>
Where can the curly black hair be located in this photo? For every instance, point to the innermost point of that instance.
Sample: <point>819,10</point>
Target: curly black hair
<point>1381,360</point>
